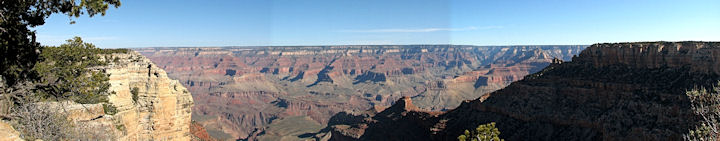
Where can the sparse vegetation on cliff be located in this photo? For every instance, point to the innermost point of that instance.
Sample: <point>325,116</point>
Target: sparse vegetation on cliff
<point>109,109</point>
<point>65,73</point>
<point>46,122</point>
<point>705,104</point>
<point>134,91</point>
<point>41,123</point>
<point>31,73</point>
<point>484,132</point>
<point>111,51</point>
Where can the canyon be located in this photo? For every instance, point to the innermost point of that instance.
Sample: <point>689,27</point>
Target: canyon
<point>295,92</point>
<point>611,91</point>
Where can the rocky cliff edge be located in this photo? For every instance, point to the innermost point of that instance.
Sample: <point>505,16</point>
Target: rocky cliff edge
<point>161,109</point>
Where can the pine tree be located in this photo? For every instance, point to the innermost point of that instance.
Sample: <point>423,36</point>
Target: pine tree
<point>65,73</point>
<point>18,45</point>
<point>484,132</point>
<point>705,104</point>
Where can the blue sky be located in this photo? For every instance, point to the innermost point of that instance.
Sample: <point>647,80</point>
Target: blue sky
<point>169,23</point>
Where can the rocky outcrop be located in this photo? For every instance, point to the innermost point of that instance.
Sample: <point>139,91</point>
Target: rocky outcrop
<point>371,77</point>
<point>143,104</point>
<point>8,133</point>
<point>199,133</point>
<point>402,114</point>
<point>698,56</point>
<point>621,91</point>
<point>240,91</point>
<point>159,110</point>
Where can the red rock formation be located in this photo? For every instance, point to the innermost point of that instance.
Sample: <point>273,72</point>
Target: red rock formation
<point>240,89</point>
<point>624,91</point>
<point>403,114</point>
<point>199,133</point>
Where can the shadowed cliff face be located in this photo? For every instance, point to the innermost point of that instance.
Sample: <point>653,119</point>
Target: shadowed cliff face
<point>627,91</point>
<point>238,91</point>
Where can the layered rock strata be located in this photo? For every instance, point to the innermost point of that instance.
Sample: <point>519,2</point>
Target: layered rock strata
<point>143,104</point>
<point>620,91</point>
<point>151,106</point>
<point>239,91</point>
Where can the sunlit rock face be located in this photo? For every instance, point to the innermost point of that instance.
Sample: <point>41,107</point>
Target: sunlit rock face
<point>8,133</point>
<point>619,91</point>
<point>239,91</point>
<point>162,108</point>
<point>149,105</point>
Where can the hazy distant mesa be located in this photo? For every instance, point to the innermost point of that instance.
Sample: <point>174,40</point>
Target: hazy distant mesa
<point>241,90</point>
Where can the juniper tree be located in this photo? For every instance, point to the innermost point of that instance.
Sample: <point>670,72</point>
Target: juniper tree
<point>705,104</point>
<point>484,132</point>
<point>65,73</point>
<point>18,45</point>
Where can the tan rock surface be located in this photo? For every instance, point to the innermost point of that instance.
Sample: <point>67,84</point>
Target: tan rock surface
<point>162,110</point>
<point>8,133</point>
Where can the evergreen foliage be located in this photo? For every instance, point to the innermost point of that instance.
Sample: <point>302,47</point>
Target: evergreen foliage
<point>134,91</point>
<point>484,132</point>
<point>18,46</point>
<point>109,109</point>
<point>65,73</point>
<point>705,104</point>
<point>30,73</point>
<point>111,51</point>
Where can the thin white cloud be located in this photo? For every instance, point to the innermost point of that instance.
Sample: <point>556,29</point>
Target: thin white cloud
<point>400,30</point>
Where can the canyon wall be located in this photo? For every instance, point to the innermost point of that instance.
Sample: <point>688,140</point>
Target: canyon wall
<point>240,91</point>
<point>620,91</point>
<point>161,109</point>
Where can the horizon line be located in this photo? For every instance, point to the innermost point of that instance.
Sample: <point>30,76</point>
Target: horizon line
<point>406,45</point>
<point>358,45</point>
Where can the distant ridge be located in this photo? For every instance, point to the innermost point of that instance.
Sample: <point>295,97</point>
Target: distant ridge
<point>241,92</point>
<point>613,91</point>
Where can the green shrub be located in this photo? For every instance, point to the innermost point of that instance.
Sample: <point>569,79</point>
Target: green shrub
<point>135,58</point>
<point>66,73</point>
<point>116,60</point>
<point>120,127</point>
<point>134,91</point>
<point>705,104</point>
<point>485,132</point>
<point>109,109</point>
<point>111,51</point>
